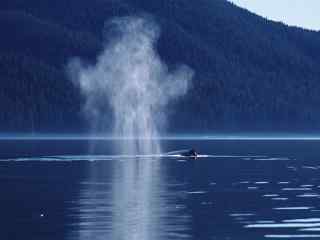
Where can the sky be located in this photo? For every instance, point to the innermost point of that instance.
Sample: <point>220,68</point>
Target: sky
<point>302,13</point>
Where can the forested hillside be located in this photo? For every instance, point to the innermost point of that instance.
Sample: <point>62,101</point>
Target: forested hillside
<point>251,74</point>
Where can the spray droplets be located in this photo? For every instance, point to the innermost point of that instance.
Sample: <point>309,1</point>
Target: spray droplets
<point>130,79</point>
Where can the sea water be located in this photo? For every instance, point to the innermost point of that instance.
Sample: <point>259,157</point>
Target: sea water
<point>244,190</point>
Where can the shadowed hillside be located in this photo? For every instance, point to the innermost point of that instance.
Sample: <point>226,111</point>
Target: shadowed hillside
<point>251,74</point>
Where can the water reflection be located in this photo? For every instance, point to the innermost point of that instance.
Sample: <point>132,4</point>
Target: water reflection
<point>93,210</point>
<point>130,200</point>
<point>136,204</point>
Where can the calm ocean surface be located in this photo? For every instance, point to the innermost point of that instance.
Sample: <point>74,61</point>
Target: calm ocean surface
<point>244,190</point>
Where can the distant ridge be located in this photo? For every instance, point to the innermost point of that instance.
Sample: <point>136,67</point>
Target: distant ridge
<point>252,74</point>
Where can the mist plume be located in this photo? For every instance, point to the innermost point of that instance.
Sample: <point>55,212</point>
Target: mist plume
<point>130,78</point>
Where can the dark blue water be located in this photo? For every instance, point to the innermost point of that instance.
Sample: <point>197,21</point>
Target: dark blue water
<point>244,190</point>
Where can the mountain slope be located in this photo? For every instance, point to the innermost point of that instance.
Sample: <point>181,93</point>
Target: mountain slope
<point>251,74</point>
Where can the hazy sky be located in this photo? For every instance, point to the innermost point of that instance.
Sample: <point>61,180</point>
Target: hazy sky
<point>303,13</point>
